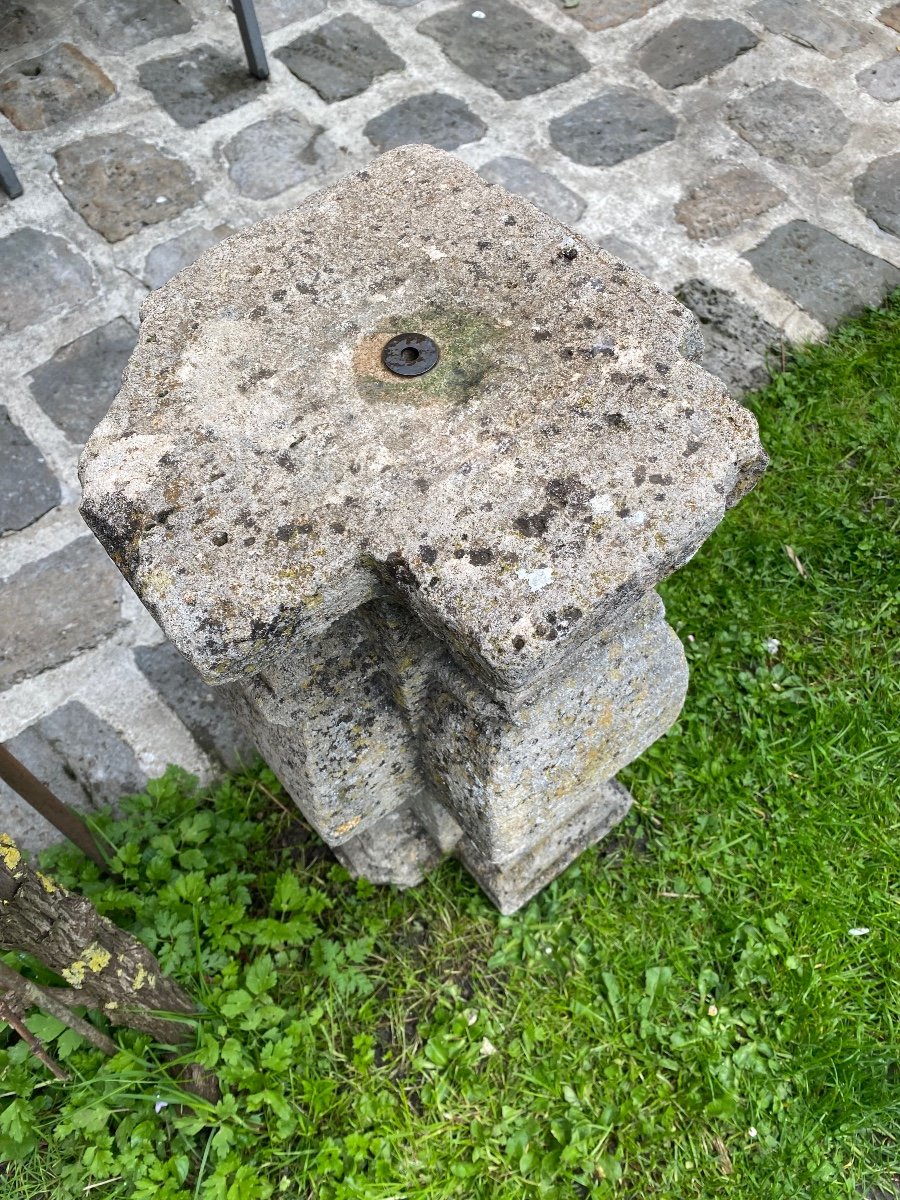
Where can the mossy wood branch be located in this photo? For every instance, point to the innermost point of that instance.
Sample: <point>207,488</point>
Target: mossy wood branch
<point>109,969</point>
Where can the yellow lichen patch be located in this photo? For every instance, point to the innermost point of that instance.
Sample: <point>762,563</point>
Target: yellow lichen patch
<point>142,978</point>
<point>74,974</point>
<point>96,957</point>
<point>47,884</point>
<point>93,958</point>
<point>9,852</point>
<point>347,826</point>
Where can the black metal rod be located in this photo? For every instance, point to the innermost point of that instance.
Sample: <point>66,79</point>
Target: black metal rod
<point>252,39</point>
<point>9,180</point>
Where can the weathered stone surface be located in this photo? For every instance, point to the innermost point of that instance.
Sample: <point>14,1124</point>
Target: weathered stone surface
<point>596,15</point>
<point>738,344</point>
<point>168,258</point>
<point>120,184</point>
<point>826,276</point>
<point>273,14</point>
<point>199,84</point>
<point>123,24</point>
<point>28,487</point>
<point>340,58</point>
<point>540,187</point>
<point>721,204</point>
<point>195,704</point>
<point>81,758</point>
<point>505,48</point>
<point>808,24</point>
<point>78,384</point>
<point>273,155</point>
<point>56,86</point>
<point>882,79</point>
<point>51,609</point>
<point>42,277</point>
<point>690,49</point>
<point>890,16</point>
<point>612,127</point>
<point>432,117</point>
<point>27,23</point>
<point>877,192</point>
<point>790,123</point>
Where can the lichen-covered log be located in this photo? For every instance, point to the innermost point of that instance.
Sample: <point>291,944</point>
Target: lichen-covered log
<point>109,969</point>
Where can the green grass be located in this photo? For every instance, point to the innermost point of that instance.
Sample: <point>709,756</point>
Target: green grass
<point>685,1013</point>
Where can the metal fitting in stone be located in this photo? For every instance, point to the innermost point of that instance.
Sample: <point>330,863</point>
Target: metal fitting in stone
<point>429,598</point>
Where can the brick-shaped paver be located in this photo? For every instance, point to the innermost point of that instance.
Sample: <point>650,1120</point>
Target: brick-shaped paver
<point>808,24</point>
<point>432,117</point>
<point>790,123</point>
<point>723,203</point>
<point>168,258</point>
<point>77,385</point>
<point>119,25</point>
<point>596,15</point>
<point>54,608</point>
<point>272,155</point>
<point>612,127</point>
<point>199,84</point>
<point>821,273</point>
<point>120,184</point>
<point>42,276</point>
<point>877,192</point>
<point>57,86</point>
<point>882,79</point>
<point>737,343</point>
<point>540,187</point>
<point>340,59</point>
<point>690,49</point>
<point>28,488</point>
<point>505,48</point>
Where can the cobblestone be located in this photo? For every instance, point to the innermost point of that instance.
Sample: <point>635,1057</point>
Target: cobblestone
<point>434,117</point>
<point>168,258</point>
<point>123,24</point>
<point>273,155</point>
<point>890,16</point>
<point>28,488</point>
<point>525,179</point>
<point>808,25</point>
<point>612,128</point>
<point>790,123</point>
<point>689,49</point>
<point>720,205</point>
<point>737,342</point>
<point>42,276</point>
<point>596,15</point>
<point>198,85</point>
<point>882,79</point>
<point>340,59</point>
<point>54,87</point>
<point>877,193</point>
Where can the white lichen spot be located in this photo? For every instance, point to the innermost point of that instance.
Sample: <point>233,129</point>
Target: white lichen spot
<point>434,254</point>
<point>636,518</point>
<point>600,505</point>
<point>536,579</point>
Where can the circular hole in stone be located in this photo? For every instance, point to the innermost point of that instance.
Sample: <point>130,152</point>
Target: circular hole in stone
<point>409,355</point>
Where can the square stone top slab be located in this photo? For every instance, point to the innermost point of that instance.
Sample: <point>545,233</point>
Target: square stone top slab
<point>262,472</point>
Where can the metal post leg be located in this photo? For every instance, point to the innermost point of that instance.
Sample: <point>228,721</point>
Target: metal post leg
<point>250,36</point>
<point>9,180</point>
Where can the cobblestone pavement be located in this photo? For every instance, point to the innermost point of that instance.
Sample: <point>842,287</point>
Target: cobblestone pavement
<point>751,164</point>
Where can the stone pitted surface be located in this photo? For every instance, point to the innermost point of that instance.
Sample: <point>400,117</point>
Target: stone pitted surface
<point>721,204</point>
<point>808,24</point>
<point>823,274</point>
<point>78,384</point>
<point>433,117</point>
<point>340,59</point>
<point>690,49</point>
<point>877,192</point>
<point>120,185</point>
<point>122,24</point>
<point>28,487</point>
<point>57,86</point>
<point>505,48</point>
<point>790,123</point>
<point>168,258</point>
<point>612,128</point>
<point>542,189</point>
<point>882,79</point>
<point>737,343</point>
<point>434,589</point>
<point>196,86</point>
<point>596,15</point>
<point>42,276</point>
<point>270,156</point>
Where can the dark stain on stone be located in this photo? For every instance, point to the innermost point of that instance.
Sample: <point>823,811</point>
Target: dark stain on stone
<point>615,420</point>
<point>518,642</point>
<point>661,479</point>
<point>219,539</point>
<point>481,557</point>
<point>533,524</point>
<point>428,555</point>
<point>692,448</point>
<point>640,474</point>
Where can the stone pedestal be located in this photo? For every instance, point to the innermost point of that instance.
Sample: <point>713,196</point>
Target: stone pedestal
<point>428,596</point>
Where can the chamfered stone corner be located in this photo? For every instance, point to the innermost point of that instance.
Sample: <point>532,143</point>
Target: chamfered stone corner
<point>612,127</point>
<point>544,190</point>
<point>196,85</point>
<point>173,255</point>
<point>340,59</point>
<point>28,488</point>
<point>882,79</point>
<point>433,118</point>
<point>42,277</point>
<point>808,24</point>
<point>790,123</point>
<point>119,25</point>
<point>273,155</point>
<point>597,15</point>
<point>877,192</point>
<point>505,48</point>
<point>58,85</point>
<point>691,48</point>
<point>721,204</point>
<point>119,184</point>
<point>737,341</point>
<point>821,273</point>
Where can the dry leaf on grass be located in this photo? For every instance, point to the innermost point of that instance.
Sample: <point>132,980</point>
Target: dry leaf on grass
<point>792,555</point>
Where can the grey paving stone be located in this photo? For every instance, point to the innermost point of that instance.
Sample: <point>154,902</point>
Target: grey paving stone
<point>123,24</point>
<point>720,205</point>
<point>882,79</point>
<point>79,383</point>
<point>505,48</point>
<point>790,123</point>
<point>877,192</point>
<point>612,127</point>
<point>807,24</point>
<point>628,252</point>
<point>596,15</point>
<point>23,24</point>
<point>28,487</point>
<point>51,609</point>
<point>273,155</point>
<point>199,84</point>
<point>168,258</point>
<point>822,274</point>
<point>339,59</point>
<point>120,184</point>
<point>690,49</point>
<point>890,16</point>
<point>399,3</point>
<point>431,117</point>
<point>540,187</point>
<point>273,14</point>
<point>736,339</point>
<point>56,86</point>
<point>42,276</point>
<point>203,712</point>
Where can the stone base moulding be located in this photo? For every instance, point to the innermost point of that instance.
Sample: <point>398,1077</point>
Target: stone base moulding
<point>428,597</point>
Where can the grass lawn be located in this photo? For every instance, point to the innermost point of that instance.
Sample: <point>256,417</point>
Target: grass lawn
<point>704,1005</point>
